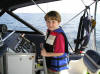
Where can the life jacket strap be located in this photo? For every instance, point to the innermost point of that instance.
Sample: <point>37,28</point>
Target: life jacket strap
<point>59,66</point>
<point>59,58</point>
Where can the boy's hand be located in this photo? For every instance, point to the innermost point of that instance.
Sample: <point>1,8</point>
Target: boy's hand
<point>43,52</point>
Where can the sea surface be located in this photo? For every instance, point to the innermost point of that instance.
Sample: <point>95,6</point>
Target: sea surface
<point>37,20</point>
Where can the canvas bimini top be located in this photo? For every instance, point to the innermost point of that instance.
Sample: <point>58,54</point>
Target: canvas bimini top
<point>14,4</point>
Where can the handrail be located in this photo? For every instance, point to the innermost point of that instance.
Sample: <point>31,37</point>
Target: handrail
<point>8,36</point>
<point>95,20</point>
<point>92,61</point>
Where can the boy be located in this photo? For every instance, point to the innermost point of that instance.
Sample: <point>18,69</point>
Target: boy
<point>55,45</point>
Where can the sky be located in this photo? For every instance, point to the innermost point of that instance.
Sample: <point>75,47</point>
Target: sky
<point>63,6</point>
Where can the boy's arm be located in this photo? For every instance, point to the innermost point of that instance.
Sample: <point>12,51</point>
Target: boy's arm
<point>49,54</point>
<point>59,48</point>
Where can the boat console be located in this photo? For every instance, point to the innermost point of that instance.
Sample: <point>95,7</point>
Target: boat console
<point>21,52</point>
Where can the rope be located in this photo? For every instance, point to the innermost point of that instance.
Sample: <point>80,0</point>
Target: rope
<point>76,15</point>
<point>38,6</point>
<point>83,3</point>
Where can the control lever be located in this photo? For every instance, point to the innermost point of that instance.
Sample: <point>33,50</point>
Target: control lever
<point>44,61</point>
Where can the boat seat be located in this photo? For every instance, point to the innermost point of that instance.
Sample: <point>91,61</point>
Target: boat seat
<point>92,60</point>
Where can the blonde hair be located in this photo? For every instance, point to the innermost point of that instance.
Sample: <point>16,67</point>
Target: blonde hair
<point>53,15</point>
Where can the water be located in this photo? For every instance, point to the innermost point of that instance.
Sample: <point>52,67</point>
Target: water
<point>37,20</point>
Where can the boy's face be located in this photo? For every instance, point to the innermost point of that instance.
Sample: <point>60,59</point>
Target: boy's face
<point>52,24</point>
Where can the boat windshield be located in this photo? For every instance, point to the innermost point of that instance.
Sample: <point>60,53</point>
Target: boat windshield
<point>13,24</point>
